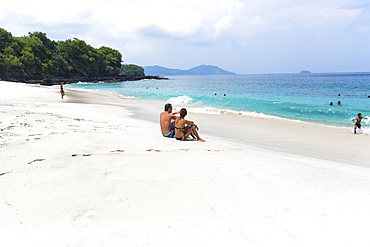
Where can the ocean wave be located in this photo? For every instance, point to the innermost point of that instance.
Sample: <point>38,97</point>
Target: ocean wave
<point>216,111</point>
<point>367,121</point>
<point>181,100</point>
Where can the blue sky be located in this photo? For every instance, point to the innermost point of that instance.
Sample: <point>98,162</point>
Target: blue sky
<point>243,36</point>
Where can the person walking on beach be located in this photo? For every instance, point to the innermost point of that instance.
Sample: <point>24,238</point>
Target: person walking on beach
<point>165,121</point>
<point>62,93</point>
<point>358,121</point>
<point>185,128</point>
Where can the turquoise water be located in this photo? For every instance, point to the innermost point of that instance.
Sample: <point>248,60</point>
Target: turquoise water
<point>292,96</point>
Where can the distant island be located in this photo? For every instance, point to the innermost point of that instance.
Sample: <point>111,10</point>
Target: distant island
<point>199,70</point>
<point>305,72</point>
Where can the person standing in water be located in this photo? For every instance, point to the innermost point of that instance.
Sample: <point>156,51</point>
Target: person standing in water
<point>358,122</point>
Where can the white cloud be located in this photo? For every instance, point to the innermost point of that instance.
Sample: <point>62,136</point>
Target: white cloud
<point>175,28</point>
<point>179,18</point>
<point>285,15</point>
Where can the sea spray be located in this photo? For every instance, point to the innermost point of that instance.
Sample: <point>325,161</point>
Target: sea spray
<point>181,100</point>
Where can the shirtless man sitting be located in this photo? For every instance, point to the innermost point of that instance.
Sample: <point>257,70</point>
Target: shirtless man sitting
<point>165,120</point>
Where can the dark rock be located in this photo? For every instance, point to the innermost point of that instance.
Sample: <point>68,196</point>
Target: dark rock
<point>58,81</point>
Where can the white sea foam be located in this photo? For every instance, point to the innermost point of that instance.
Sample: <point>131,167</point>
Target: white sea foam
<point>367,121</point>
<point>215,111</point>
<point>181,100</point>
<point>104,91</point>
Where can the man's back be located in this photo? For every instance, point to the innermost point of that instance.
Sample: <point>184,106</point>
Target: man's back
<point>165,121</point>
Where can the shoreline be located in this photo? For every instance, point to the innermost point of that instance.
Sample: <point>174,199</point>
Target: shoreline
<point>279,135</point>
<point>213,110</point>
<point>307,139</point>
<point>91,170</point>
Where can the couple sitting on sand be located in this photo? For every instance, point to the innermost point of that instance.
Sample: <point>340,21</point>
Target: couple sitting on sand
<point>179,127</point>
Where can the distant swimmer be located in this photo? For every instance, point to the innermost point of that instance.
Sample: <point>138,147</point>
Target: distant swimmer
<point>358,122</point>
<point>224,94</point>
<point>339,95</point>
<point>62,93</point>
<point>331,103</point>
<point>339,103</point>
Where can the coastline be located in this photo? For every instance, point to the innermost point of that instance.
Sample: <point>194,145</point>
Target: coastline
<point>92,172</point>
<point>280,135</point>
<point>313,106</point>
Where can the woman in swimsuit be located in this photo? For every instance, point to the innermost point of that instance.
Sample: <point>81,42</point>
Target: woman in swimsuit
<point>185,128</point>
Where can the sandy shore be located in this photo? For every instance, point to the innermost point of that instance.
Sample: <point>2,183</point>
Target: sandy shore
<point>87,171</point>
<point>280,135</point>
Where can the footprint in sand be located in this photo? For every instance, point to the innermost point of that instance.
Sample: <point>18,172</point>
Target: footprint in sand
<point>35,139</point>
<point>75,155</point>
<point>36,160</point>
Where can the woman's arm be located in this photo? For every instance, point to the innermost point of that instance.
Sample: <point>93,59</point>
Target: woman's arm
<point>191,123</point>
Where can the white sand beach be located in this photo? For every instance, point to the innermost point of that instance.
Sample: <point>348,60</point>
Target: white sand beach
<point>86,171</point>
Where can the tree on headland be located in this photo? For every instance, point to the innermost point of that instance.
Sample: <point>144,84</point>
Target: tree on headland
<point>132,70</point>
<point>37,57</point>
<point>5,38</point>
<point>80,57</point>
<point>33,56</point>
<point>9,61</point>
<point>110,61</point>
<point>84,60</point>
